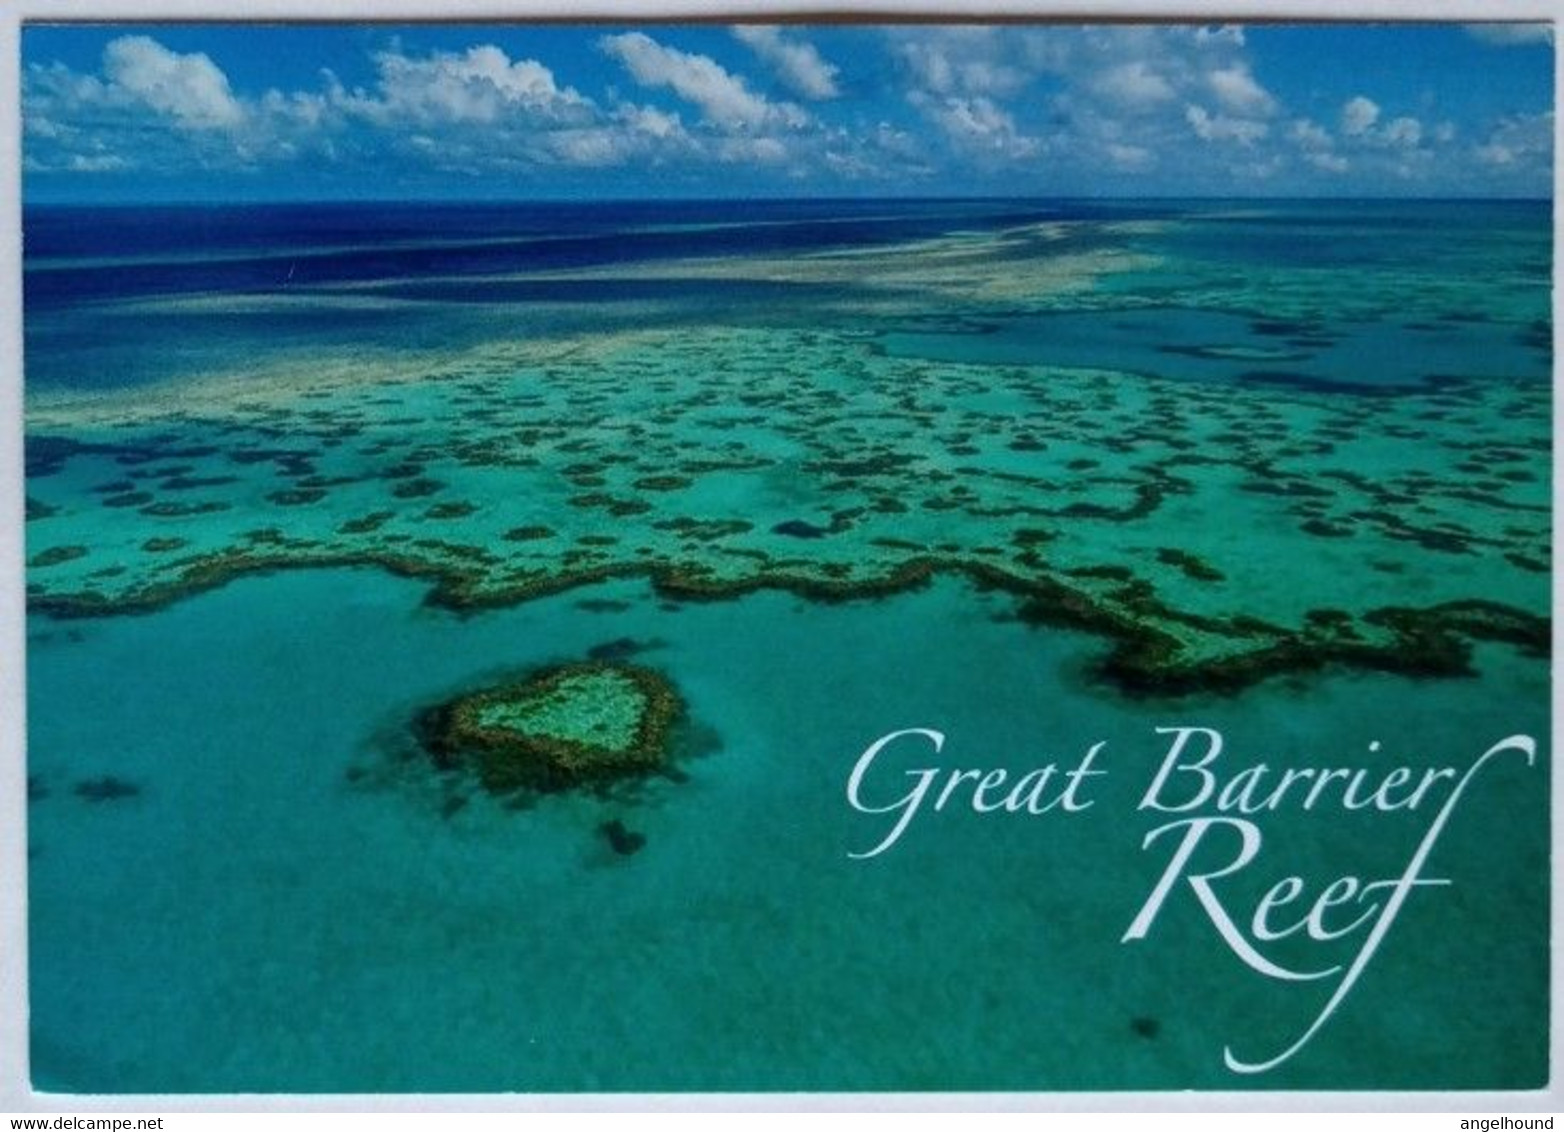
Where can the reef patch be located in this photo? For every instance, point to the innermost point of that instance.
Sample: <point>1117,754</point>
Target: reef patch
<point>560,728</point>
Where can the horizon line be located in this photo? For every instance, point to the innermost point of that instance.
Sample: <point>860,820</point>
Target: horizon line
<point>237,202</point>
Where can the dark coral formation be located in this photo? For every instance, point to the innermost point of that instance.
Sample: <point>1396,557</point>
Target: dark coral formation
<point>816,464</point>
<point>106,789</point>
<point>1192,566</point>
<point>37,509</point>
<point>55,556</point>
<point>621,839</point>
<point>1146,658</point>
<point>565,727</point>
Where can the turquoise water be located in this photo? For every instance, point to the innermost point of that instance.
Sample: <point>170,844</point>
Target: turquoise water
<point>1197,345</point>
<point>291,902</point>
<point>1036,476</point>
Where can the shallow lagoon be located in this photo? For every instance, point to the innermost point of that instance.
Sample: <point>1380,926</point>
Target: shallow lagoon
<point>296,900</point>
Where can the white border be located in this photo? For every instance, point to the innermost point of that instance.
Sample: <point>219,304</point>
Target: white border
<point>867,11</point>
<point>16,1095</point>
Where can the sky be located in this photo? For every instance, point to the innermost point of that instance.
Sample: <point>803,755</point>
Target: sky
<point>379,111</point>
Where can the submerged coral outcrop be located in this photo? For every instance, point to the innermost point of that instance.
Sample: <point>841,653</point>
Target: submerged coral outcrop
<point>564,727</point>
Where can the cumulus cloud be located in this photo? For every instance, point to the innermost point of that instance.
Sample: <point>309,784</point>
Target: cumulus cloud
<point>454,111</point>
<point>971,60</point>
<point>146,106</point>
<point>1518,140</point>
<point>1219,127</point>
<point>797,64</point>
<point>650,121</point>
<point>1103,103</point>
<point>1317,147</point>
<point>1310,135</point>
<point>1127,94</point>
<point>188,88</point>
<point>1134,93</point>
<point>1130,157</point>
<point>495,112</point>
<point>141,82</point>
<point>471,113</point>
<point>1133,85</point>
<point>480,85</point>
<point>1328,162</point>
<point>723,98</point>
<point>1236,89</point>
<point>752,151</point>
<point>1403,132</point>
<point>1358,115</point>
<point>889,139</point>
<point>1363,126</point>
<point>979,126</point>
<point>629,133</point>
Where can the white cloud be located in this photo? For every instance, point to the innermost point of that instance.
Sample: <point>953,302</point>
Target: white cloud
<point>1260,168</point>
<point>650,121</point>
<point>1217,127</point>
<point>480,85</point>
<point>1310,135</point>
<point>751,151</point>
<point>466,112</point>
<point>1133,85</point>
<point>632,133</point>
<point>848,165</point>
<point>190,89</point>
<point>1145,88</point>
<point>1521,140</point>
<point>470,113</point>
<point>1363,126</point>
<point>1317,146</point>
<point>1403,132</point>
<point>589,147</point>
<point>879,153</point>
<point>149,107</point>
<point>796,63</point>
<point>896,142</point>
<point>96,163</point>
<point>1511,35</point>
<point>1102,100</point>
<point>1358,115</point>
<point>970,60</point>
<point>979,126</point>
<point>1237,90</point>
<point>1226,34</point>
<point>297,107</point>
<point>723,98</point>
<point>1130,157</point>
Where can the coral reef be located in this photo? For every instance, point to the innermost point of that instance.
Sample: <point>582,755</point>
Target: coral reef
<point>571,726</point>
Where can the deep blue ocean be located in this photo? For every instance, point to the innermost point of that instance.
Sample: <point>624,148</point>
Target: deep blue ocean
<point>178,249</point>
<point>264,248</point>
<point>103,286</point>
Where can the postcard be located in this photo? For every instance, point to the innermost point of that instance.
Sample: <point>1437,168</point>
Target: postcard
<point>748,557</point>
